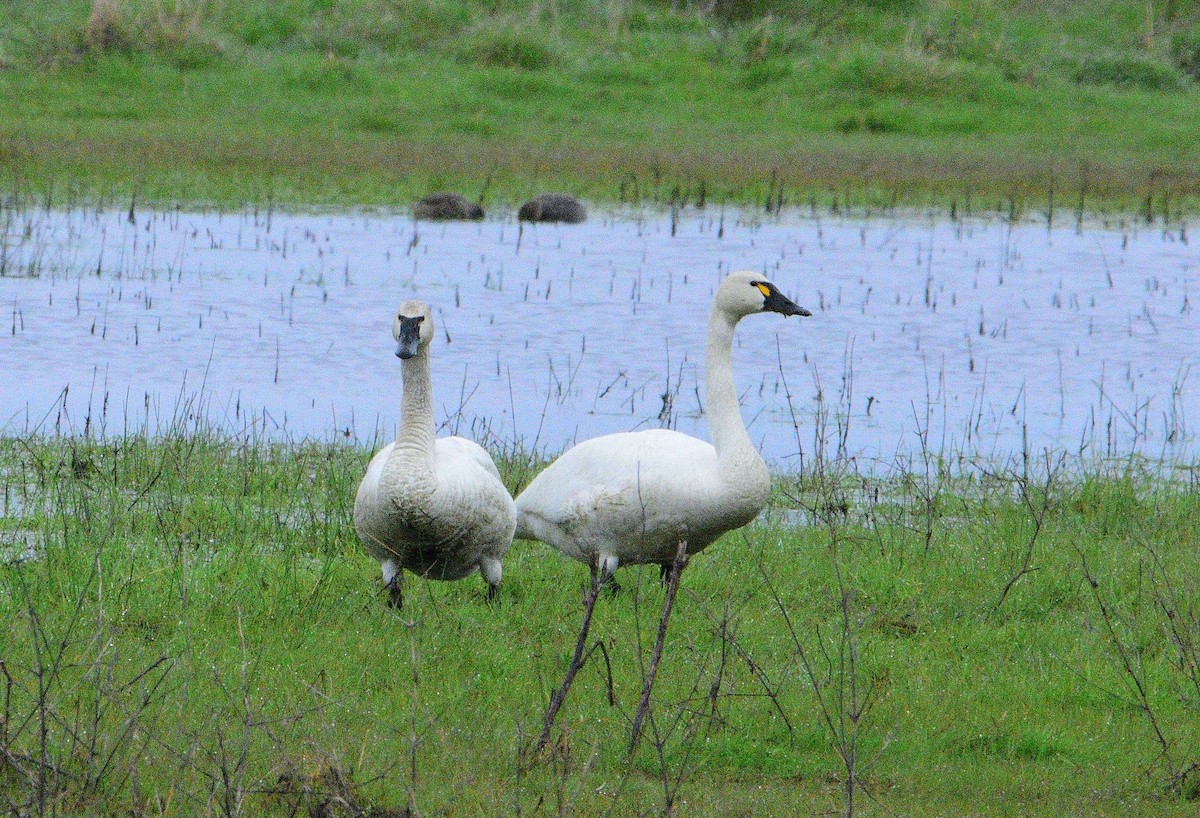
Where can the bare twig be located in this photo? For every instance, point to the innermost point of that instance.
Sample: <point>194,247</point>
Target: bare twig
<point>681,560</point>
<point>1131,669</point>
<point>577,661</point>
<point>1037,502</point>
<point>845,711</point>
<point>1179,608</point>
<point>728,636</point>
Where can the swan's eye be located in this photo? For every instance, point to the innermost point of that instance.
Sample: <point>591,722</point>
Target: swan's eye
<point>762,288</point>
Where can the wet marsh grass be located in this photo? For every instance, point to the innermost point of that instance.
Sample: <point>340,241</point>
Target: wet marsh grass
<point>192,628</point>
<point>365,106</point>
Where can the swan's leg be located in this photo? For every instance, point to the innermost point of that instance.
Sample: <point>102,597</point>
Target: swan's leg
<point>393,581</point>
<point>492,571</point>
<point>664,572</point>
<point>603,569</point>
<point>606,566</point>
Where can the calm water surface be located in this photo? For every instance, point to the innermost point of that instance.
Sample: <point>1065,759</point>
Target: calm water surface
<point>977,337</point>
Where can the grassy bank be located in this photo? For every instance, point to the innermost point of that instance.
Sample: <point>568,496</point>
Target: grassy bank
<point>993,105</point>
<point>193,629</point>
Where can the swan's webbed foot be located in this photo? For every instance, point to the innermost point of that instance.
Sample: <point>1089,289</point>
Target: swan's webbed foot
<point>395,593</point>
<point>609,584</point>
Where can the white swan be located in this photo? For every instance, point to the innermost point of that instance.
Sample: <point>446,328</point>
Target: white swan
<point>435,506</point>
<point>633,497</point>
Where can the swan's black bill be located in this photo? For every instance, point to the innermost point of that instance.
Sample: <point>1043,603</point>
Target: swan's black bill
<point>410,337</point>
<point>778,302</point>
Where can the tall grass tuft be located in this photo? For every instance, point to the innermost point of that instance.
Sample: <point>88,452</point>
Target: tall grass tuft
<point>172,29</point>
<point>508,45</point>
<point>1185,51</point>
<point>1141,71</point>
<point>105,29</point>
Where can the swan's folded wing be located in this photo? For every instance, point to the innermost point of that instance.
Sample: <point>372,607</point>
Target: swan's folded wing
<point>621,482</point>
<point>462,447</point>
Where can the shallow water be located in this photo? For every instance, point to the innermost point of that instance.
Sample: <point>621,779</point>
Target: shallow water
<point>967,337</point>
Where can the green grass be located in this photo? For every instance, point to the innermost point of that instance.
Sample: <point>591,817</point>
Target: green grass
<point>200,633</point>
<point>993,105</point>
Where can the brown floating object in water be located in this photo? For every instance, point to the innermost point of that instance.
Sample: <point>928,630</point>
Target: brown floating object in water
<point>553,207</point>
<point>446,206</point>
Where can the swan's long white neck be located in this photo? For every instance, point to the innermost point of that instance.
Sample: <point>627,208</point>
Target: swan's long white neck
<point>412,457</point>
<point>725,424</point>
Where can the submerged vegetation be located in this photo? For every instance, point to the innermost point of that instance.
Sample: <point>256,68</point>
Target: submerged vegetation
<point>997,104</point>
<point>191,628</point>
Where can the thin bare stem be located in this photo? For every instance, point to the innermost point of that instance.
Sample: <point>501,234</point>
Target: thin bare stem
<point>1038,504</point>
<point>578,659</point>
<point>1129,664</point>
<point>681,560</point>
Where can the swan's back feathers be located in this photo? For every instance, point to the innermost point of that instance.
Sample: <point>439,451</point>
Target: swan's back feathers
<point>468,448</point>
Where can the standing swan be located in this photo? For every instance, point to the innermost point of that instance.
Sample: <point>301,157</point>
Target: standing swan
<point>434,506</point>
<point>632,497</point>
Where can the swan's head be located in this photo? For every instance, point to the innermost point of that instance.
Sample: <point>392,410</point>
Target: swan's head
<point>412,329</point>
<point>745,293</point>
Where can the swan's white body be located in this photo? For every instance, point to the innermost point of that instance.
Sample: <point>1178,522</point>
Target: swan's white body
<point>435,507</point>
<point>631,498</point>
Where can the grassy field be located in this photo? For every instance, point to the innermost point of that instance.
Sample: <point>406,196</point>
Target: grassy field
<point>190,628</point>
<point>997,105</point>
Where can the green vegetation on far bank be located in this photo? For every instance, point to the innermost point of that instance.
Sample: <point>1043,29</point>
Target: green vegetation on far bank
<point>972,105</point>
<point>191,628</point>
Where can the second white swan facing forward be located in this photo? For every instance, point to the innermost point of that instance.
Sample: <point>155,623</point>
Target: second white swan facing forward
<point>433,506</point>
<point>632,497</point>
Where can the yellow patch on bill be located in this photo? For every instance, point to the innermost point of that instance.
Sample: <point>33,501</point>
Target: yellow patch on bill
<point>763,288</point>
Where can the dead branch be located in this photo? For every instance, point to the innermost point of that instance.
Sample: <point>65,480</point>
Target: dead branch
<point>681,560</point>
<point>577,661</point>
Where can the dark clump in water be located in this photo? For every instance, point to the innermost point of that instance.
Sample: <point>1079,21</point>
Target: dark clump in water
<point>553,207</point>
<point>446,207</point>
